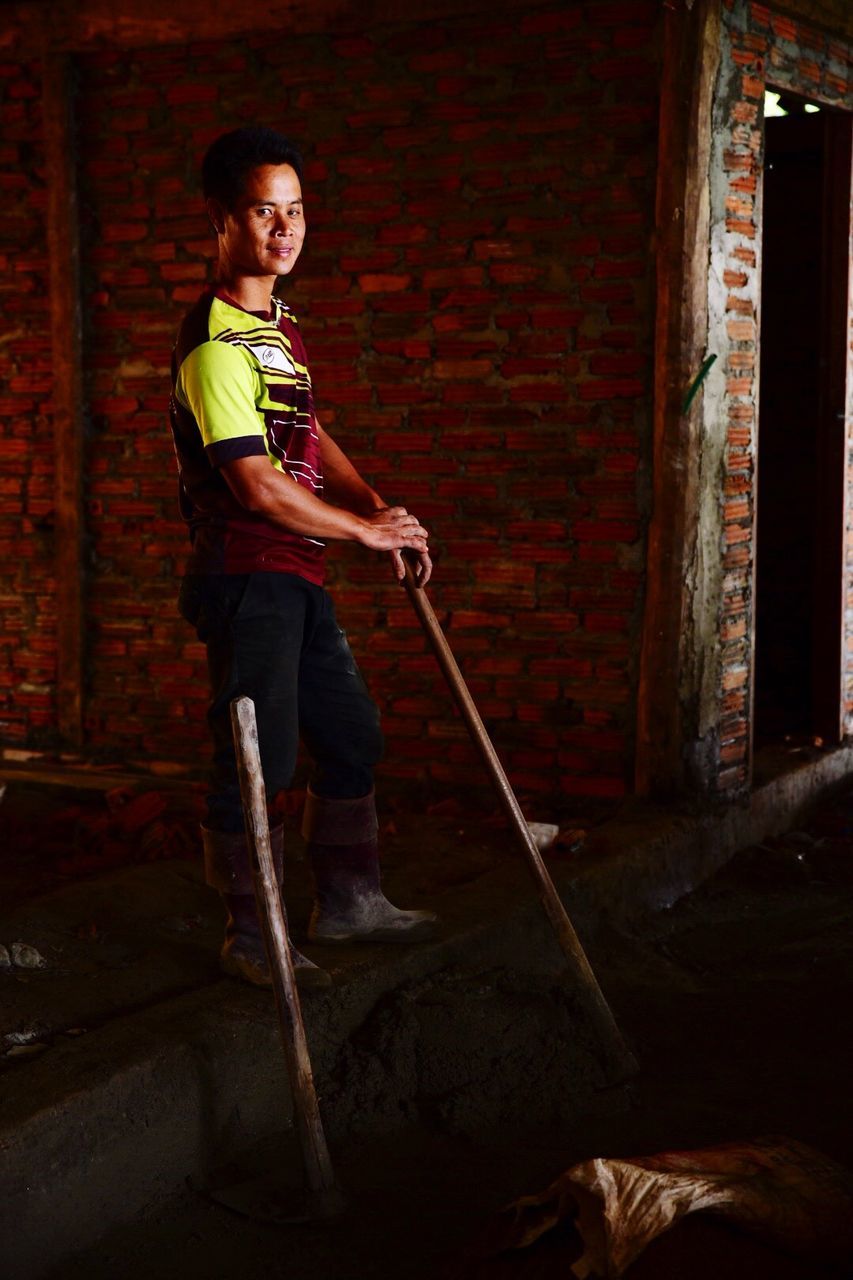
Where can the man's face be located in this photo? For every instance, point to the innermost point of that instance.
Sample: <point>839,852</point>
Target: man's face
<point>262,235</point>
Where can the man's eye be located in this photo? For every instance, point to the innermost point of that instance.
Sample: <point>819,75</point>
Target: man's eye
<point>295,213</point>
<point>264,209</point>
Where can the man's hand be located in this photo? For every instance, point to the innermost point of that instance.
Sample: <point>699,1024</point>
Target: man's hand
<point>421,567</point>
<point>395,529</point>
<point>345,485</point>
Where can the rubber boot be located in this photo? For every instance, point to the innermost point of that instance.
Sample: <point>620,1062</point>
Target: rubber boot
<point>226,867</point>
<point>350,905</point>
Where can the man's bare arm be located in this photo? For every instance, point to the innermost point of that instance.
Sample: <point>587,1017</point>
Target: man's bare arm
<point>345,486</point>
<point>341,482</point>
<point>263,489</point>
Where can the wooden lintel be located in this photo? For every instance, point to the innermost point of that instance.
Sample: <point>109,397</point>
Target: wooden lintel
<point>691,57</point>
<point>66,339</point>
<point>89,25</point>
<point>82,26</point>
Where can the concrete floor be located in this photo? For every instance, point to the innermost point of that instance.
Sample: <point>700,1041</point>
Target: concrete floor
<point>737,1001</point>
<point>451,1080</point>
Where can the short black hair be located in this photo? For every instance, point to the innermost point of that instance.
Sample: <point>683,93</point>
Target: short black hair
<point>233,155</point>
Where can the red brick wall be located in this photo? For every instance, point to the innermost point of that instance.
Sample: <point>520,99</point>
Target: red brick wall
<point>27,614</point>
<point>760,48</point>
<point>476,298</point>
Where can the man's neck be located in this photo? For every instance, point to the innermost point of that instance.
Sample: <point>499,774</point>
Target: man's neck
<point>252,293</point>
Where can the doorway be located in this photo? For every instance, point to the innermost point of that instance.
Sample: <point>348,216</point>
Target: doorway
<point>801,426</point>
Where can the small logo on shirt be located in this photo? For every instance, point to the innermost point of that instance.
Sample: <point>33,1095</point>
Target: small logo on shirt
<point>272,358</point>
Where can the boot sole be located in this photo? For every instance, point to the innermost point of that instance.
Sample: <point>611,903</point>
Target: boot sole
<point>306,979</point>
<point>395,937</point>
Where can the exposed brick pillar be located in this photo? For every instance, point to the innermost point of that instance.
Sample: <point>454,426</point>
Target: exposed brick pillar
<point>759,48</point>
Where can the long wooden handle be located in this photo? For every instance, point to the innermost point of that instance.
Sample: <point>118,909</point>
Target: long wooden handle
<point>619,1061</point>
<point>315,1153</point>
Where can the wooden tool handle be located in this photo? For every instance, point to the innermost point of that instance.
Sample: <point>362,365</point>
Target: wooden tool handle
<point>315,1153</point>
<point>619,1061</point>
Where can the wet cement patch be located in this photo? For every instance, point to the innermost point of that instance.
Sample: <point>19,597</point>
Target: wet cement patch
<point>462,1052</point>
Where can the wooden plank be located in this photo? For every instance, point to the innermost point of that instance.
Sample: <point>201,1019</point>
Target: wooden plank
<point>66,338</point>
<point>665,698</point>
<point>56,774</point>
<point>90,25</point>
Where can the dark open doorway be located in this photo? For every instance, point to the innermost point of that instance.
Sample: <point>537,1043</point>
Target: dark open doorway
<point>801,453</point>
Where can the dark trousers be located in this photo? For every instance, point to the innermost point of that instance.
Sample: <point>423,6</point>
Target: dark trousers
<point>274,638</point>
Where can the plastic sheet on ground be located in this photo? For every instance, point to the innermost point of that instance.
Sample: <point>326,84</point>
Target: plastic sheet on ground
<point>780,1191</point>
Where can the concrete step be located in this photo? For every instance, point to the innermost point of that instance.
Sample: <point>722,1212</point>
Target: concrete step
<point>171,1069</point>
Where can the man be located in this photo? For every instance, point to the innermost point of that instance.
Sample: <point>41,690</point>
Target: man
<point>263,488</point>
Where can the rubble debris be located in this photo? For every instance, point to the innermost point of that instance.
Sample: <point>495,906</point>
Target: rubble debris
<point>571,839</point>
<point>134,810</point>
<point>26,957</point>
<point>5,958</point>
<point>122,826</point>
<point>449,807</point>
<point>89,932</point>
<point>30,1035</point>
<point>26,1050</point>
<point>543,834</point>
<point>26,1043</point>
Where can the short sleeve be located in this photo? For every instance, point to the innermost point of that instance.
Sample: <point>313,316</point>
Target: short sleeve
<point>219,386</point>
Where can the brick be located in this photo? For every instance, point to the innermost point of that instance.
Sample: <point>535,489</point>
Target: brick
<point>383,283</point>
<point>550,22</point>
<point>603,787</point>
<point>405,235</point>
<point>183,270</point>
<point>610,388</point>
<point>466,369</point>
<point>605,530</point>
<point>185,293</point>
<point>741,330</point>
<point>453,278</point>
